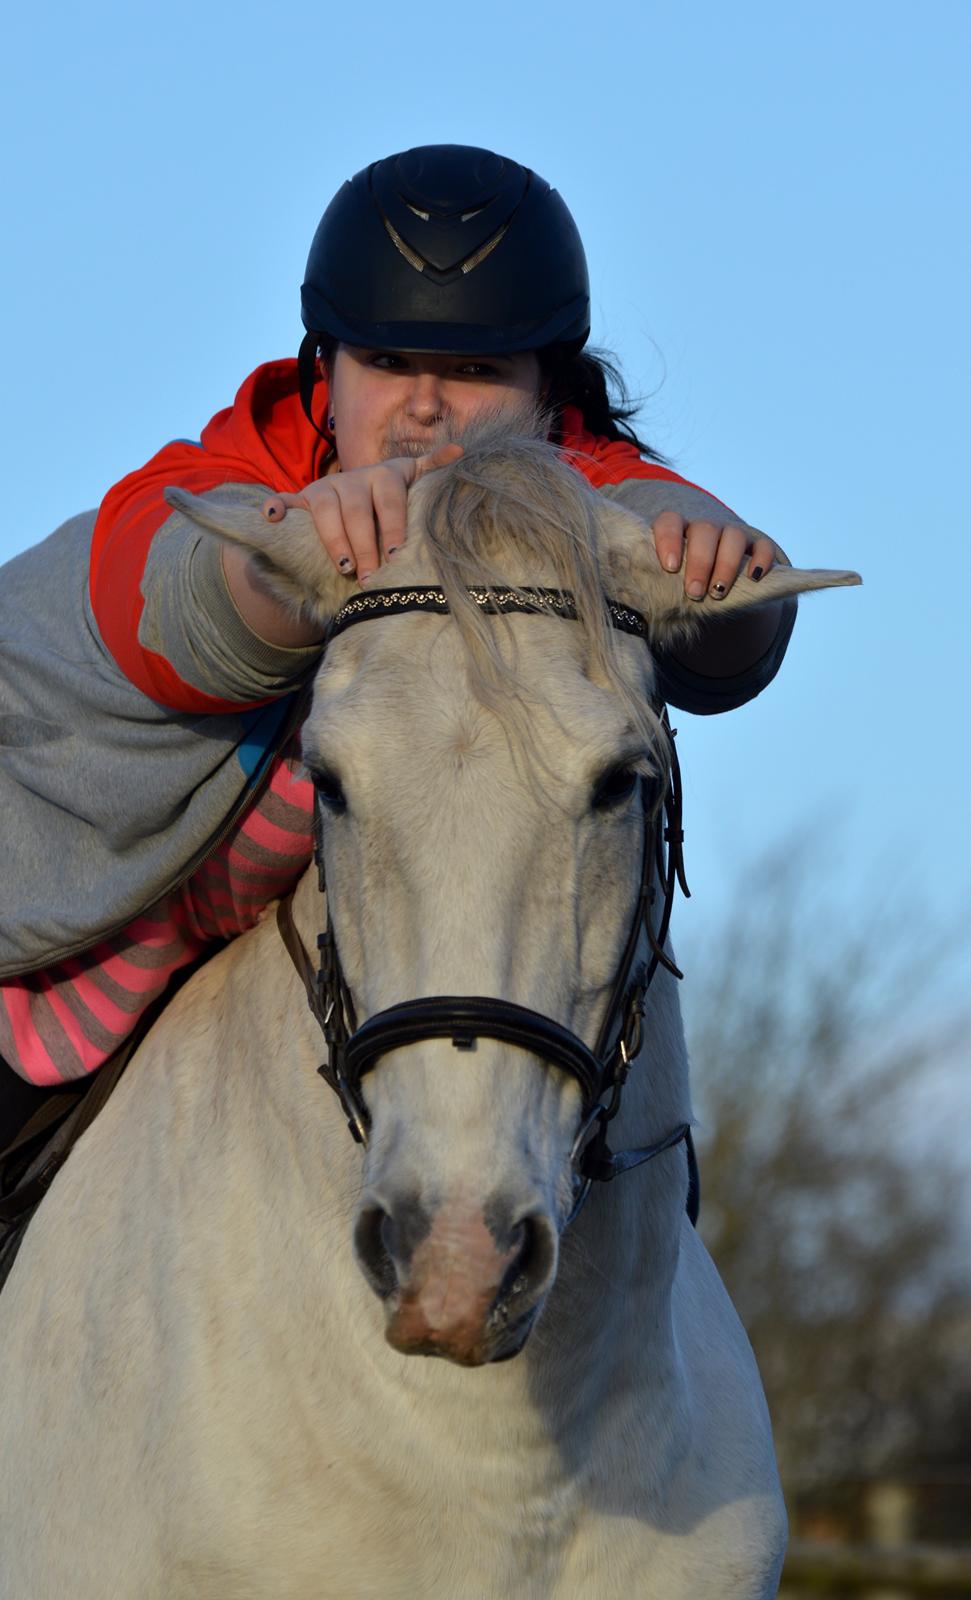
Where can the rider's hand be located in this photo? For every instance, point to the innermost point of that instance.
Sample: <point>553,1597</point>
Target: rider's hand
<point>361,516</point>
<point>712,555</point>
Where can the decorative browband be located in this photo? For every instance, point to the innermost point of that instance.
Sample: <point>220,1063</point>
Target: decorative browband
<point>427,597</point>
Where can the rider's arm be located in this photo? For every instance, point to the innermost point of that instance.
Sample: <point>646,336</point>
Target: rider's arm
<point>736,656</point>
<point>158,589</point>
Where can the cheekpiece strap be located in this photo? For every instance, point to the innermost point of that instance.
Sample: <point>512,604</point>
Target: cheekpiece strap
<point>429,597</point>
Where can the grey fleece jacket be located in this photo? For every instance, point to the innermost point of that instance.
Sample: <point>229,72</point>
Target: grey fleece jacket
<point>109,799</point>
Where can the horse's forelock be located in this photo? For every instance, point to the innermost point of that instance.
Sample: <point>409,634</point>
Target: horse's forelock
<point>510,513</point>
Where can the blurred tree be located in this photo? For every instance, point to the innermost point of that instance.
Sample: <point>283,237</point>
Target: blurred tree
<point>836,1220</point>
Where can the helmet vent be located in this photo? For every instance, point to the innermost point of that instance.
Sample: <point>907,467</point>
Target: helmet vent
<point>411,256</point>
<point>468,215</point>
<point>424,215</point>
<point>486,249</point>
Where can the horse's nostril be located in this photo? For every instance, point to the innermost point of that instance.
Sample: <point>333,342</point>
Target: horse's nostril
<point>386,1238</point>
<point>534,1261</point>
<point>373,1236</point>
<point>517,1273</point>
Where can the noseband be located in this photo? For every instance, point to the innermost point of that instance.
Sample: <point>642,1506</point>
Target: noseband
<point>601,1073</point>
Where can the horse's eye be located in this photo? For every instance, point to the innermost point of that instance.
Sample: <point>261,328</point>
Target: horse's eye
<point>614,788</point>
<point>328,789</point>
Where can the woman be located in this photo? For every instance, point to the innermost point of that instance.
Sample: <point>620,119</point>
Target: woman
<point>149,767</point>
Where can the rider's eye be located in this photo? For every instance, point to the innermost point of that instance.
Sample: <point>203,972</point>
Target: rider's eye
<point>614,788</point>
<point>328,789</point>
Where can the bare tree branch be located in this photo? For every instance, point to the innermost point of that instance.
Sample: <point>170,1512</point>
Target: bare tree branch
<point>836,1229</point>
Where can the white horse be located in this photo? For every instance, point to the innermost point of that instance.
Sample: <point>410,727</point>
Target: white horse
<point>203,1395</point>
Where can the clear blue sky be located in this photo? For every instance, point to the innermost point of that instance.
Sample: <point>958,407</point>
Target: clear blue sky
<point>775,203</point>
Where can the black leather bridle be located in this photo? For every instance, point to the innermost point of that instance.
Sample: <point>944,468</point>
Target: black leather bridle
<point>601,1073</point>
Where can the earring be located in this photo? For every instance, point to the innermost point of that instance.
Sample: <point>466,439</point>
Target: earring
<point>330,423</point>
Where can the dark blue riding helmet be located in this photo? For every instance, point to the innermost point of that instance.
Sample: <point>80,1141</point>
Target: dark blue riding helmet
<point>448,248</point>
<point>442,249</point>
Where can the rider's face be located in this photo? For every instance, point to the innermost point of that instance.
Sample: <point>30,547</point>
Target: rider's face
<point>390,403</point>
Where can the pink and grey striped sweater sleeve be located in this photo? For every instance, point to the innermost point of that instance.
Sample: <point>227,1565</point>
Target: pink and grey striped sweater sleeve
<point>66,1021</point>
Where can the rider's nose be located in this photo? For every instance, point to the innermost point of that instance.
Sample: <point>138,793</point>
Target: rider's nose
<point>426,401</point>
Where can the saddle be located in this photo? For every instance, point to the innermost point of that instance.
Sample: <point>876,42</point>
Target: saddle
<point>33,1158</point>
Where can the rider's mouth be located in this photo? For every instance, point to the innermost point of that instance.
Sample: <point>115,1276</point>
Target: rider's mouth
<point>397,446</point>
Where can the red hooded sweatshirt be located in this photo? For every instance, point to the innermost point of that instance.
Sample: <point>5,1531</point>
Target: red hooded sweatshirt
<point>264,438</point>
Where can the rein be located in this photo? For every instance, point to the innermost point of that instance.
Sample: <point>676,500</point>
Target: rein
<point>602,1072</point>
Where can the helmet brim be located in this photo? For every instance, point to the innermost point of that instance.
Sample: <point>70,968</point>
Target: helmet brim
<point>567,326</point>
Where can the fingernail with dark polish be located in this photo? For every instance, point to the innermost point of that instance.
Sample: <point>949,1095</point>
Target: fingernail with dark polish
<point>393,549</point>
<point>345,563</point>
<point>717,591</point>
<point>757,573</point>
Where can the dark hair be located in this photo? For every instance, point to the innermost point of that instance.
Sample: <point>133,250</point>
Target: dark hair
<point>592,380</point>
<point>589,379</point>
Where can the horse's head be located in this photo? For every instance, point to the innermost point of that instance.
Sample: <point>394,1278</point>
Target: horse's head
<point>481,779</point>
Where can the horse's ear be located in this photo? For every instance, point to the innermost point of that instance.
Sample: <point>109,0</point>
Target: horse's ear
<point>292,561</point>
<point>637,578</point>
